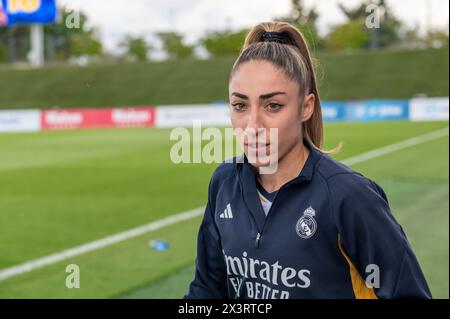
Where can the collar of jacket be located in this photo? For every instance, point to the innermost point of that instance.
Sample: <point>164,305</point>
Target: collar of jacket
<point>247,178</point>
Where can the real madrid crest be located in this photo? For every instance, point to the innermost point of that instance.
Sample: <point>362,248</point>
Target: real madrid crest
<point>306,226</point>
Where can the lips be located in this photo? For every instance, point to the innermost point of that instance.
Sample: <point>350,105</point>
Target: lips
<point>257,147</point>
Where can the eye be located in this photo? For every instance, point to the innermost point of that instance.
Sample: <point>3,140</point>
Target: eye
<point>238,106</point>
<point>273,107</point>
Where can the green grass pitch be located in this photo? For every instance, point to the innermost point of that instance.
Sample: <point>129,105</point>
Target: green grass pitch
<point>61,189</point>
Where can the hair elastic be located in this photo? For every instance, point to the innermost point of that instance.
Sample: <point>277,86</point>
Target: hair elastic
<point>273,37</point>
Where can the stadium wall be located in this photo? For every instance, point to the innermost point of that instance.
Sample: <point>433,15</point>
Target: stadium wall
<point>417,109</point>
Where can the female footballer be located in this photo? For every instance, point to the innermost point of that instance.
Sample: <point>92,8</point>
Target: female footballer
<point>311,227</point>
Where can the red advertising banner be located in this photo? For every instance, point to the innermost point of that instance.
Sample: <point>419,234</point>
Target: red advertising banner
<point>97,118</point>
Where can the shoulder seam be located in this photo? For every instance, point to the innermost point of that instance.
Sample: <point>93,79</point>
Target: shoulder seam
<point>341,173</point>
<point>351,172</point>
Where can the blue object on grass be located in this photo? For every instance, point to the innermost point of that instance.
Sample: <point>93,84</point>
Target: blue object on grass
<point>159,245</point>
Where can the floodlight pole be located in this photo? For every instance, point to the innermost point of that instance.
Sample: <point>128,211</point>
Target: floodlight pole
<point>37,45</point>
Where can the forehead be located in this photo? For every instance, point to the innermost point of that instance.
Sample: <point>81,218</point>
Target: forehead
<point>260,76</point>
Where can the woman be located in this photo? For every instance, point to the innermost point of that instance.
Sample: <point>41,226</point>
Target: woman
<point>309,228</point>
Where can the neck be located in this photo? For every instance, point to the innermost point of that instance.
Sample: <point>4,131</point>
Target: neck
<point>289,167</point>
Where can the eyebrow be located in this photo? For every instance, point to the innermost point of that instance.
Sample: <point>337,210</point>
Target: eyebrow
<point>261,97</point>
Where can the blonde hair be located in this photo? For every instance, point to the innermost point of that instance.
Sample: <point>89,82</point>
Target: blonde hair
<point>293,57</point>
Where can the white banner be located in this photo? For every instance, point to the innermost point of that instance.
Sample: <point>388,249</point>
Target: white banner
<point>20,121</point>
<point>429,109</point>
<point>184,115</point>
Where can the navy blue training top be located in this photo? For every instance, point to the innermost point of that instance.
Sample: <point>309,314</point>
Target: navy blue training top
<point>267,195</point>
<point>328,234</point>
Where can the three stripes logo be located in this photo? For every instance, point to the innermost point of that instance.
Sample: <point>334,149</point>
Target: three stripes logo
<point>227,213</point>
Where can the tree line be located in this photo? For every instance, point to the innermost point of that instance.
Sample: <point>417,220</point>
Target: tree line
<point>369,25</point>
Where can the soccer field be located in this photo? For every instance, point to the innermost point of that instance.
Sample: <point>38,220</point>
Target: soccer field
<point>62,189</point>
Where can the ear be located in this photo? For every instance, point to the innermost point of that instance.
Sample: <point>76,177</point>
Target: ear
<point>308,107</point>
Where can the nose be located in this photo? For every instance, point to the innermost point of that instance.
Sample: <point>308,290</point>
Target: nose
<point>254,123</point>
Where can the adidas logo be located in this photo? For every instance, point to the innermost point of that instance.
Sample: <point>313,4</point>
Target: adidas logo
<point>227,213</point>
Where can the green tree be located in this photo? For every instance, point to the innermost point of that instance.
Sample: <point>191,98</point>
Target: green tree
<point>84,44</point>
<point>136,48</point>
<point>305,19</point>
<point>71,36</point>
<point>224,43</point>
<point>350,35</point>
<point>411,37</point>
<point>437,38</point>
<point>3,53</point>
<point>16,40</point>
<point>174,46</point>
<point>388,32</point>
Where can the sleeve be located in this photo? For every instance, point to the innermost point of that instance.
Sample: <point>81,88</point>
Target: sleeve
<point>210,279</point>
<point>373,241</point>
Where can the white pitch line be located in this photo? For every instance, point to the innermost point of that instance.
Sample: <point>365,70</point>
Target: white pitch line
<point>113,239</point>
<point>395,147</point>
<point>97,244</point>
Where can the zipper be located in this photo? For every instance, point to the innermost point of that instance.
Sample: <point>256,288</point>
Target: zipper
<point>258,237</point>
<point>259,234</point>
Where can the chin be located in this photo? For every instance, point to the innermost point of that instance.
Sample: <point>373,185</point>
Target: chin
<point>262,161</point>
